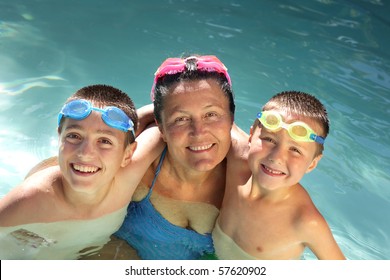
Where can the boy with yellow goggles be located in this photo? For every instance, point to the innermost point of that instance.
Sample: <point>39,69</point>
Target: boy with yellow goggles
<point>264,203</point>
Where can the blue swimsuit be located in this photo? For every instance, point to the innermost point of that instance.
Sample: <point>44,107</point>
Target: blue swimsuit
<point>155,238</point>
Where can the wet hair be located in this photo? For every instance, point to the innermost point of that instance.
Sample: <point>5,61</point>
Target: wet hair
<point>302,105</point>
<point>191,73</point>
<point>104,96</point>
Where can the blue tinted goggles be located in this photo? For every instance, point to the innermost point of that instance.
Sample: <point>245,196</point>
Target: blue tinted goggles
<point>112,116</point>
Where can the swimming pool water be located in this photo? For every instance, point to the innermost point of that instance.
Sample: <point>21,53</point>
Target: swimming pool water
<point>337,50</point>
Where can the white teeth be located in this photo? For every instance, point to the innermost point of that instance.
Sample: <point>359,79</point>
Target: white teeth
<point>87,169</point>
<point>201,148</point>
<point>273,171</point>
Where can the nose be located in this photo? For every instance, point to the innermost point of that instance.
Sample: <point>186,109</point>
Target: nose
<point>86,149</point>
<point>276,155</point>
<point>197,127</point>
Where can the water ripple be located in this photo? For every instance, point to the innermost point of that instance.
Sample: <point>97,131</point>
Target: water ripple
<point>22,85</point>
<point>358,245</point>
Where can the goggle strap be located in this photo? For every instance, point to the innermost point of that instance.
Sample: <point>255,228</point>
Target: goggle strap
<point>60,115</point>
<point>317,138</point>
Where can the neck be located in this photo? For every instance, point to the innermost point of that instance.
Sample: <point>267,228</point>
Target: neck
<point>278,194</point>
<point>192,185</point>
<point>192,177</point>
<point>84,201</point>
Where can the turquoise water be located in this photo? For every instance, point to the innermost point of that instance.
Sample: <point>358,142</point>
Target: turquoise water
<point>337,50</point>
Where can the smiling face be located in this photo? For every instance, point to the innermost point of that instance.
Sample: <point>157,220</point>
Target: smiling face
<point>196,124</point>
<point>276,160</point>
<point>90,153</point>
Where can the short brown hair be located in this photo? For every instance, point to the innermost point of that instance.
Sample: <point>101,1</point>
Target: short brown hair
<point>300,104</point>
<point>104,96</point>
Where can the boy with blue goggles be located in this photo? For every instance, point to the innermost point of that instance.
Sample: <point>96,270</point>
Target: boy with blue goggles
<point>90,182</point>
<point>112,116</point>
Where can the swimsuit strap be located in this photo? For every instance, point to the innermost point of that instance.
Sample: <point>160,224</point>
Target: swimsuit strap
<point>157,172</point>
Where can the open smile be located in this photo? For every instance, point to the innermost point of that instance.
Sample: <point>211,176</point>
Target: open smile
<point>272,172</point>
<point>200,148</point>
<point>85,169</point>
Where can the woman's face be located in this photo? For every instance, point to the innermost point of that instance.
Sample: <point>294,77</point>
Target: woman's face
<point>196,124</point>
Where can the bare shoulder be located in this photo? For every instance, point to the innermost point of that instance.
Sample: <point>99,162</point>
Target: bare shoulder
<point>23,203</point>
<point>311,220</point>
<point>308,214</point>
<point>52,161</point>
<point>311,223</point>
<point>316,233</point>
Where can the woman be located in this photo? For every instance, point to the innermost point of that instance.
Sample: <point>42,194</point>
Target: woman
<point>174,208</point>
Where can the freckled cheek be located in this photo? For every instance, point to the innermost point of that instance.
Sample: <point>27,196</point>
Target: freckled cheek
<point>174,135</point>
<point>173,132</point>
<point>223,128</point>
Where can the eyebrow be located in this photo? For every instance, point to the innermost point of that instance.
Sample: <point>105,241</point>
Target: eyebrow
<point>99,131</point>
<point>207,107</point>
<point>104,131</point>
<point>73,126</point>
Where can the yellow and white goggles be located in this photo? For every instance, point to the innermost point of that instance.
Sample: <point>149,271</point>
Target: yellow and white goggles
<point>299,131</point>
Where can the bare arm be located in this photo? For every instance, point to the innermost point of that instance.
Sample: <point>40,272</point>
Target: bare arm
<point>149,146</point>
<point>239,147</point>
<point>145,118</point>
<point>321,240</point>
<point>238,134</point>
<point>237,168</point>
<point>32,200</point>
<point>149,139</point>
<point>10,205</point>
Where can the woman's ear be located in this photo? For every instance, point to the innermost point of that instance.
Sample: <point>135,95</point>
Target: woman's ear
<point>161,131</point>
